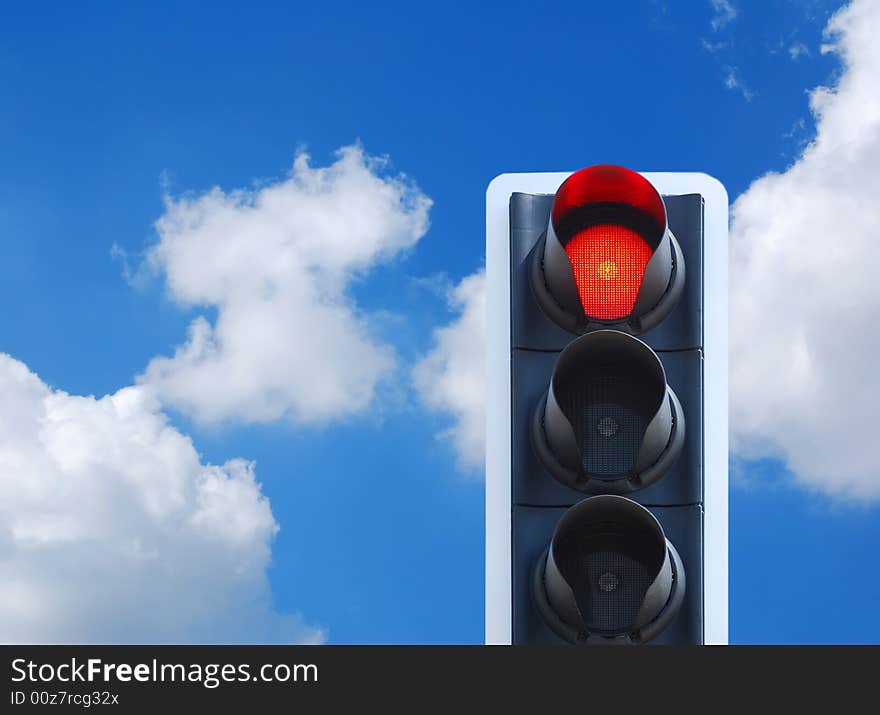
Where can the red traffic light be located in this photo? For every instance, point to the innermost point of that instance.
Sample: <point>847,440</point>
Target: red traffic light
<point>610,219</point>
<point>608,261</point>
<point>608,257</point>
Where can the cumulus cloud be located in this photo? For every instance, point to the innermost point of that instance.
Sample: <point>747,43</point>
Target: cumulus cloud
<point>277,264</point>
<point>451,378</point>
<point>113,530</point>
<point>804,285</point>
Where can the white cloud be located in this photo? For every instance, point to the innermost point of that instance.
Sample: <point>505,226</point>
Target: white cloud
<point>804,285</point>
<point>277,263</point>
<point>712,47</point>
<point>733,81</point>
<point>112,530</point>
<point>798,50</point>
<point>725,12</point>
<point>451,378</point>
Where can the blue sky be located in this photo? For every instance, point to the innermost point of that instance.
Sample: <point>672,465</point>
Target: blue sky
<point>106,106</point>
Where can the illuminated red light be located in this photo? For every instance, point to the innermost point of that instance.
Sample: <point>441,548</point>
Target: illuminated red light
<point>610,220</point>
<point>608,262</point>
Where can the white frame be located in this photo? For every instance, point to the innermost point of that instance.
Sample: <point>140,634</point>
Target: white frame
<point>498,447</point>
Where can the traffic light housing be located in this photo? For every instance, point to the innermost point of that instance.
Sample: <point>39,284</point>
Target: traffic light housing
<point>608,423</point>
<point>606,492</point>
<point>608,574</point>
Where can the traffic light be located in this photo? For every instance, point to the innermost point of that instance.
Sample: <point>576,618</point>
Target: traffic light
<point>606,455</point>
